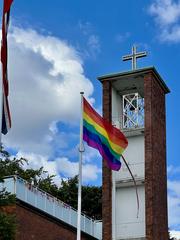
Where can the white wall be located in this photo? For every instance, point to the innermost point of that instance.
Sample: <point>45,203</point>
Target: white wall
<point>134,155</point>
<point>116,108</point>
<point>127,224</point>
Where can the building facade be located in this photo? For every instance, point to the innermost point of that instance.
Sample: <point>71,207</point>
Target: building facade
<point>41,216</point>
<point>134,101</point>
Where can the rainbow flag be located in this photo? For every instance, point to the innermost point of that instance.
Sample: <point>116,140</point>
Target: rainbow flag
<point>100,134</point>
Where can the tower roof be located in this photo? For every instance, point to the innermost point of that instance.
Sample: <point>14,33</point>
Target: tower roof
<point>134,74</point>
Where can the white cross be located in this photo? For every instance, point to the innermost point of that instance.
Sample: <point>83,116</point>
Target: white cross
<point>134,56</point>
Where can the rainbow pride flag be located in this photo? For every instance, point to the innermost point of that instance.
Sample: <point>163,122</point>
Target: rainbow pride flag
<point>100,134</point>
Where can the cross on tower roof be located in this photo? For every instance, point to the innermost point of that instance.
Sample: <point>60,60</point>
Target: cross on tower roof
<point>134,56</point>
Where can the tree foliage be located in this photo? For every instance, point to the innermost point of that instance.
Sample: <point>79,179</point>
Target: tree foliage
<point>91,197</point>
<point>7,221</point>
<point>66,192</point>
<point>92,201</point>
<point>7,226</point>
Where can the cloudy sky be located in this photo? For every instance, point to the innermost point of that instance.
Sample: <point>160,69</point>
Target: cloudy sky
<point>58,49</point>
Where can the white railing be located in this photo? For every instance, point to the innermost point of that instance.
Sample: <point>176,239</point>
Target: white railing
<point>51,205</point>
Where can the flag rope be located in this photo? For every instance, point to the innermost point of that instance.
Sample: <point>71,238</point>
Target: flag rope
<point>137,196</point>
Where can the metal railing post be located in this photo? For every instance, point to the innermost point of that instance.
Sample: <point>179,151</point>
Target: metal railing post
<point>26,194</point>
<point>54,206</point>
<point>36,196</point>
<point>14,184</point>
<point>45,203</point>
<point>84,222</point>
<point>70,215</point>
<point>91,227</point>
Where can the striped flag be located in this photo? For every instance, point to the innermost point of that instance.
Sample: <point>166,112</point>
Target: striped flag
<point>6,116</point>
<point>100,134</point>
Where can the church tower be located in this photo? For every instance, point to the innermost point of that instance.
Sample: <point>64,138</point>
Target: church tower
<point>134,101</point>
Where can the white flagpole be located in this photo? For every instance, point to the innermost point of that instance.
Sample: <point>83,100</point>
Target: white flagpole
<point>113,206</point>
<point>81,150</point>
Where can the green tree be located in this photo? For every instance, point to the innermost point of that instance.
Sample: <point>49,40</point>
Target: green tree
<point>91,197</point>
<point>7,221</point>
<point>14,166</point>
<point>67,192</point>
<point>92,201</point>
<point>7,226</point>
<point>8,167</point>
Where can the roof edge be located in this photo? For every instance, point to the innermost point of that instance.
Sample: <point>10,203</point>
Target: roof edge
<point>152,69</point>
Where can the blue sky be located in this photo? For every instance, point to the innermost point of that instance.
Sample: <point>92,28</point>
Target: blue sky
<point>60,48</point>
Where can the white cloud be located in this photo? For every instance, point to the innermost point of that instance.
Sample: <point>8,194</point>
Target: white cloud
<point>90,154</point>
<point>61,167</point>
<point>171,170</point>
<point>167,17</point>
<point>35,161</point>
<point>174,203</point>
<point>166,12</point>
<point>174,186</point>
<point>122,37</point>
<point>175,234</point>
<point>85,27</point>
<point>171,35</point>
<point>46,76</point>
<point>173,197</point>
<point>70,169</point>
<point>92,41</point>
<point>53,127</point>
<point>94,45</point>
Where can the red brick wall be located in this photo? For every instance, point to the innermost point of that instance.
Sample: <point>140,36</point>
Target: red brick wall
<point>155,160</point>
<point>32,224</point>
<point>107,176</point>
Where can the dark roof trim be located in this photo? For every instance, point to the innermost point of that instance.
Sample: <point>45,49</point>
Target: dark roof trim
<point>143,71</point>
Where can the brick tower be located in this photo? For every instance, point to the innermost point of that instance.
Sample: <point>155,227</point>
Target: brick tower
<point>134,101</point>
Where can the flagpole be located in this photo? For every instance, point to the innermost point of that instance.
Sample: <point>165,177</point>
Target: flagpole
<point>81,150</point>
<point>113,206</point>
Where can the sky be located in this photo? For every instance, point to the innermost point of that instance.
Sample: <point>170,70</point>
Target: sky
<point>59,48</point>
